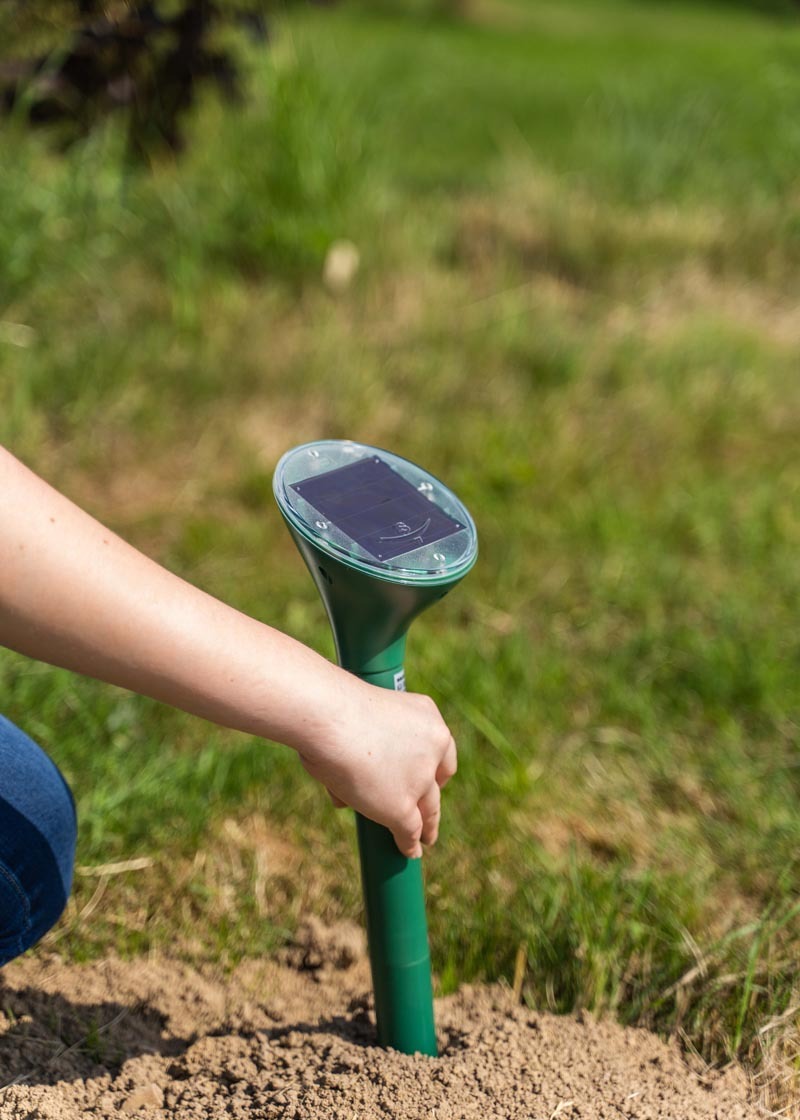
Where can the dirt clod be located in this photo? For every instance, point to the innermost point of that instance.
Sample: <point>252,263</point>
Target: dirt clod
<point>157,1040</point>
<point>151,1096</point>
<point>317,946</point>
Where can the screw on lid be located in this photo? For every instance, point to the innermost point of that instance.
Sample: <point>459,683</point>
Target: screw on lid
<point>375,511</point>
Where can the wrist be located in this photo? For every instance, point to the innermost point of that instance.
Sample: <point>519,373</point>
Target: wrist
<point>320,710</point>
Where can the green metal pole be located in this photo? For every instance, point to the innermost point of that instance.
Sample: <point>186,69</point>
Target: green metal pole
<point>397,930</point>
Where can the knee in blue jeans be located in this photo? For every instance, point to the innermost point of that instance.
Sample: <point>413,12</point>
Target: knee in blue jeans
<point>38,831</point>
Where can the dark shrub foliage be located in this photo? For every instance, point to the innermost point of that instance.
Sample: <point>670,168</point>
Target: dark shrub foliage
<point>71,63</point>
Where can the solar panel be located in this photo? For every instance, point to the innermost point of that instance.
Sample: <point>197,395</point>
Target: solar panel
<point>377,508</point>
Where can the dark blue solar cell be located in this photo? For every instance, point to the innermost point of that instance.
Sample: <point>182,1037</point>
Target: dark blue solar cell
<point>377,508</point>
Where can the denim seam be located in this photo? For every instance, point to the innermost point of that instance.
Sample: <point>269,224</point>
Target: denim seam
<point>16,887</point>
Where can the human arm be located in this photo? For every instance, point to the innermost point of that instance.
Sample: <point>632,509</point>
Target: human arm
<point>74,594</point>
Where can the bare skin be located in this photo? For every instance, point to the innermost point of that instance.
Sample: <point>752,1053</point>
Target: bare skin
<point>74,594</point>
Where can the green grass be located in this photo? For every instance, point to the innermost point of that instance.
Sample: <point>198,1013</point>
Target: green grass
<point>580,233</point>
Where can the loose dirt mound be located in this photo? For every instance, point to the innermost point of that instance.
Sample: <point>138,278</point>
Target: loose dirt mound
<point>295,1040</point>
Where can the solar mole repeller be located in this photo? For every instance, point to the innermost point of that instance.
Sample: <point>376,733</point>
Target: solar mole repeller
<point>383,539</point>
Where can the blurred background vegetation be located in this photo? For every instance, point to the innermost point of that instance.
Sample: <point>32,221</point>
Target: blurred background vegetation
<point>577,230</point>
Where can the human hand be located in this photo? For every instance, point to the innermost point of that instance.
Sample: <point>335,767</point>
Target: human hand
<point>387,755</point>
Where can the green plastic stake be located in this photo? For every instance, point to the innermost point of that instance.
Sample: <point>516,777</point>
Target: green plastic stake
<point>397,929</point>
<point>415,542</point>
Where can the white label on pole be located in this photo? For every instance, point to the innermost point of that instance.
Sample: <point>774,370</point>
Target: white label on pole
<point>400,681</point>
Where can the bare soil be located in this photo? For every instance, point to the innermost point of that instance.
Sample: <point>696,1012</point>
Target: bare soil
<point>295,1039</point>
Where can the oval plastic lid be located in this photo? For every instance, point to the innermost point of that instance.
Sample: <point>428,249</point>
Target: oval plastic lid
<point>375,511</point>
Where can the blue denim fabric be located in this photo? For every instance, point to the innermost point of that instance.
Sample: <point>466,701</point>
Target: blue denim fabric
<point>37,842</point>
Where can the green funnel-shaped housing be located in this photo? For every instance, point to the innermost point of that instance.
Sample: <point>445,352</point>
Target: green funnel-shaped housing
<point>383,539</point>
<point>369,617</point>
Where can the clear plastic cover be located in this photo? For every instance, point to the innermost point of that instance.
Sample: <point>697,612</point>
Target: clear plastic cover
<point>373,515</point>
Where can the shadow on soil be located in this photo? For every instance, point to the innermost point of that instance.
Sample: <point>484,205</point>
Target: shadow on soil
<point>49,1038</point>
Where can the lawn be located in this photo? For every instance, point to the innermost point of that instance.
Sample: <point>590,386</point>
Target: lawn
<point>579,228</point>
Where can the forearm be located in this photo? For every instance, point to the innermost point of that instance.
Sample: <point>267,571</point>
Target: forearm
<point>74,594</point>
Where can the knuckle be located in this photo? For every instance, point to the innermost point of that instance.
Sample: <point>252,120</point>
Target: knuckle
<point>429,704</point>
<point>432,799</point>
<point>415,829</point>
<point>407,808</point>
<point>408,821</point>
